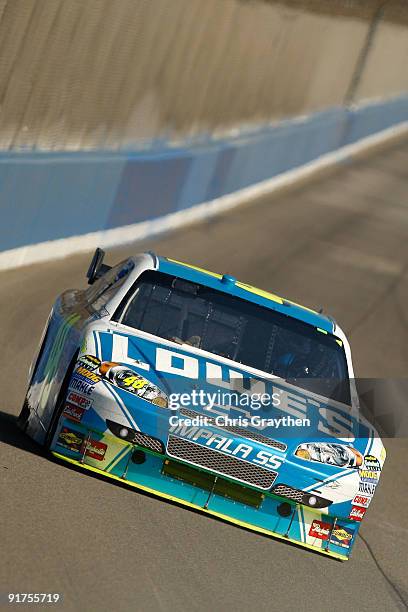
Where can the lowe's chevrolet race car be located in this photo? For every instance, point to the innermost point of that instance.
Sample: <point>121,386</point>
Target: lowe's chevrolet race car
<point>209,392</point>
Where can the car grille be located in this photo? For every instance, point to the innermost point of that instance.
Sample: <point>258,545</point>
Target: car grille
<point>240,431</point>
<point>148,442</point>
<point>288,492</point>
<point>135,437</point>
<point>217,462</point>
<point>301,497</point>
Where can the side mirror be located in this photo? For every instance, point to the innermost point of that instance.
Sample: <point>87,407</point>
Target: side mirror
<point>97,268</point>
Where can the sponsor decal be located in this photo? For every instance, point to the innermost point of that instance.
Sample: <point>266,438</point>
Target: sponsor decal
<point>96,450</point>
<point>369,476</point>
<point>342,536</point>
<point>371,470</point>
<point>361,500</point>
<point>90,362</point>
<point>73,412</point>
<point>319,529</point>
<point>357,513</point>
<point>74,441</point>
<point>371,463</point>
<point>88,375</point>
<point>366,488</point>
<point>70,439</point>
<point>79,400</point>
<point>78,384</point>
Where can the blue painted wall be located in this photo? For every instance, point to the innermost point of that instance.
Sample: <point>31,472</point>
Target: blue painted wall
<point>46,196</point>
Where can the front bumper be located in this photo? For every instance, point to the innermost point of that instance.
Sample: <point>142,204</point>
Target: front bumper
<point>201,489</point>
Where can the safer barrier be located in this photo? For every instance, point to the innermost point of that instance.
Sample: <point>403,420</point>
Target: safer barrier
<point>53,196</point>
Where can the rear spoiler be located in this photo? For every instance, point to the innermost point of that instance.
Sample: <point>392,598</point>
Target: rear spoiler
<point>97,268</point>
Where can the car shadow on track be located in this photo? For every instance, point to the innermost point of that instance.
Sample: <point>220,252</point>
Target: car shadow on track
<point>10,434</point>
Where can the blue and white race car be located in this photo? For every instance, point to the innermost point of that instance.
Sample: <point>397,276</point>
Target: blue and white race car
<point>209,392</point>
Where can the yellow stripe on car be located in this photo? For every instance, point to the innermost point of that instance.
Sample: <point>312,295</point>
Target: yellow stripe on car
<point>181,263</point>
<point>260,292</point>
<point>250,288</point>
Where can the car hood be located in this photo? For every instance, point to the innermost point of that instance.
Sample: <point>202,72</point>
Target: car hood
<point>180,372</point>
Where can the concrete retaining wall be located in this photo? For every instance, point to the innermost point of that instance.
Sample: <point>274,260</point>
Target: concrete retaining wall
<point>122,112</point>
<point>49,196</point>
<point>103,74</point>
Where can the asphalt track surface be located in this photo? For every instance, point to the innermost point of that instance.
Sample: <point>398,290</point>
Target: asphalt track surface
<point>340,242</point>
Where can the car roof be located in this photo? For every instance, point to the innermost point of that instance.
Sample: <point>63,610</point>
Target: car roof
<point>230,285</point>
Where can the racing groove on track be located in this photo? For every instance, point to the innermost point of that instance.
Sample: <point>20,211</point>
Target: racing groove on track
<point>340,242</point>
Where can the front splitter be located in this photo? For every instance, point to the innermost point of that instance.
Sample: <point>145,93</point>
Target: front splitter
<point>188,504</point>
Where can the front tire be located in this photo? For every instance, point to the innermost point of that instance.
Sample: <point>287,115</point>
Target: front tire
<point>22,419</point>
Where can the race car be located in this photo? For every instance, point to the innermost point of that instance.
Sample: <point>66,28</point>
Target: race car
<point>209,392</point>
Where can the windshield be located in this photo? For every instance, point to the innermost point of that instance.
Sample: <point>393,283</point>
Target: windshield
<point>188,313</point>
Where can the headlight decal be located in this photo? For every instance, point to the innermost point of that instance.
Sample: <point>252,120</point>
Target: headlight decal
<point>338,455</point>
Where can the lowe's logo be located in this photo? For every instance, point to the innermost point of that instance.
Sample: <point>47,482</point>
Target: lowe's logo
<point>227,445</point>
<point>335,422</point>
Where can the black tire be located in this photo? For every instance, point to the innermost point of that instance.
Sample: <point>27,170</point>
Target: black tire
<point>59,406</point>
<point>22,419</point>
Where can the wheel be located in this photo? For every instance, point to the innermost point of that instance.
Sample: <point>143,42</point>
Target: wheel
<point>22,419</point>
<point>59,406</point>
